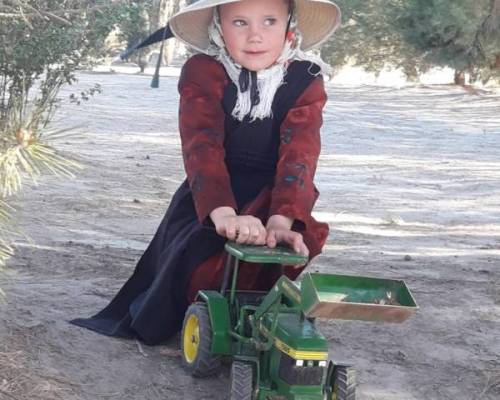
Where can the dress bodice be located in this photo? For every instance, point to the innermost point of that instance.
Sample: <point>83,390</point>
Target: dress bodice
<point>252,147</point>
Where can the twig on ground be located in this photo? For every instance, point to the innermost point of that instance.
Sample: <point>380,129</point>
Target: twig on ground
<point>139,346</point>
<point>492,383</point>
<point>103,394</point>
<point>166,351</point>
<point>10,396</point>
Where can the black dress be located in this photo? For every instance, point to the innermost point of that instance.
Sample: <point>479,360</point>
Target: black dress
<point>152,303</point>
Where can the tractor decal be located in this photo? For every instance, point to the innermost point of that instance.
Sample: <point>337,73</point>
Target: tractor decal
<point>295,354</point>
<point>300,354</point>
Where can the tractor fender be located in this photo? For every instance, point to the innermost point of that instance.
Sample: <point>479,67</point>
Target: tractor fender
<point>218,310</point>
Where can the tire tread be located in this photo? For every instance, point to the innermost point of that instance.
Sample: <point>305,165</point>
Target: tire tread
<point>241,381</point>
<point>345,379</point>
<point>206,363</point>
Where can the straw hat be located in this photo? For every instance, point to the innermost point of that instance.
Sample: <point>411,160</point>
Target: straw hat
<point>316,20</point>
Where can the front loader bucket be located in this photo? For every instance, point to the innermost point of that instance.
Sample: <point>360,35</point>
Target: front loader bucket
<point>356,298</point>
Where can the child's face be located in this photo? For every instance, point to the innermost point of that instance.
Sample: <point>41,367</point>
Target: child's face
<point>254,31</point>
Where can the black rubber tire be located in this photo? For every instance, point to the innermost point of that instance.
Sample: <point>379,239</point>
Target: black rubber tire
<point>241,381</point>
<point>344,383</point>
<point>205,363</point>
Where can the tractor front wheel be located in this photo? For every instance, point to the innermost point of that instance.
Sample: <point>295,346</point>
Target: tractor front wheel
<point>341,382</point>
<point>196,342</point>
<point>241,381</point>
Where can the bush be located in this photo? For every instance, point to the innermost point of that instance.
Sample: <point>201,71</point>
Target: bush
<point>42,44</point>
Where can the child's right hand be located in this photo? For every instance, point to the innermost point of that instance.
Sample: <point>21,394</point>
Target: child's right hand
<point>279,230</point>
<point>245,229</point>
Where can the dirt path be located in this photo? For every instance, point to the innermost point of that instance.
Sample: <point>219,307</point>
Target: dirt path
<point>410,184</point>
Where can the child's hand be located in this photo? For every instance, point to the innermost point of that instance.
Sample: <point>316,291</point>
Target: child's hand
<point>279,231</point>
<point>240,228</point>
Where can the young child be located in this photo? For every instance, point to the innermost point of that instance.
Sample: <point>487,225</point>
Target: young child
<point>249,119</point>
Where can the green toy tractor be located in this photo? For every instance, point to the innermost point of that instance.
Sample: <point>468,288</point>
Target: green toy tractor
<point>277,352</point>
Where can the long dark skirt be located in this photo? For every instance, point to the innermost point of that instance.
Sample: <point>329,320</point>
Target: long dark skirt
<point>151,304</point>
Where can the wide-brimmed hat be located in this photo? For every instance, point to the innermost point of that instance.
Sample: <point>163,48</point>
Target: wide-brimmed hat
<point>316,21</point>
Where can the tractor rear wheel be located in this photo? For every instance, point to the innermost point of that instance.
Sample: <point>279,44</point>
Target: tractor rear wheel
<point>241,381</point>
<point>196,342</point>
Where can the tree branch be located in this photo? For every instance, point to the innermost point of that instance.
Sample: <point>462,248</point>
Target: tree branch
<point>34,13</point>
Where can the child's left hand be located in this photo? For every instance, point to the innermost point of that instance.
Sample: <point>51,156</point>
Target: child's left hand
<point>279,231</point>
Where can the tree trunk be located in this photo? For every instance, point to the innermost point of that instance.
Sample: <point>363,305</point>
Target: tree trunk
<point>411,73</point>
<point>160,13</point>
<point>495,8</point>
<point>154,14</point>
<point>494,20</point>
<point>142,63</point>
<point>459,77</point>
<point>496,64</point>
<point>171,7</point>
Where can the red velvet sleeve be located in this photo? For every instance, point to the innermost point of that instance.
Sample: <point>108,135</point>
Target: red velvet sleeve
<point>294,193</point>
<point>201,126</point>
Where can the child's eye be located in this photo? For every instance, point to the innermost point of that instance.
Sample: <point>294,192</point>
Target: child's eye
<point>239,22</point>
<point>270,21</point>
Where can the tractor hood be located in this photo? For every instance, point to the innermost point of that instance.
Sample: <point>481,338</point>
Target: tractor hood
<point>296,337</point>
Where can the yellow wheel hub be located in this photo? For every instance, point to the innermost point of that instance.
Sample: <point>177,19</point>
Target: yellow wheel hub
<point>191,338</point>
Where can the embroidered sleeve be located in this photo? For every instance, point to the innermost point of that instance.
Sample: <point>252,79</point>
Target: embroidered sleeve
<point>294,193</point>
<point>201,126</point>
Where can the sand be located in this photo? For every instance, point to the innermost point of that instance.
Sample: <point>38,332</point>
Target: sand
<point>410,185</point>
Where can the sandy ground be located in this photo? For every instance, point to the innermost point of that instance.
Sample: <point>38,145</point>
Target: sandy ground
<point>410,183</point>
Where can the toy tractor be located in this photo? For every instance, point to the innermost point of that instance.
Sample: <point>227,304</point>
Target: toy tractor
<point>277,352</point>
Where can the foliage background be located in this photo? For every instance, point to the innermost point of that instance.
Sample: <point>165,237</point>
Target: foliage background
<point>416,35</point>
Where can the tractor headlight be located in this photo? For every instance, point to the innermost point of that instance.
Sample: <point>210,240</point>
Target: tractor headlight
<point>310,363</point>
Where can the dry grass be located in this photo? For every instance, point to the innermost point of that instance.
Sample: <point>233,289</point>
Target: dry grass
<point>18,382</point>
<point>492,385</point>
<point>494,289</point>
<point>12,381</point>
